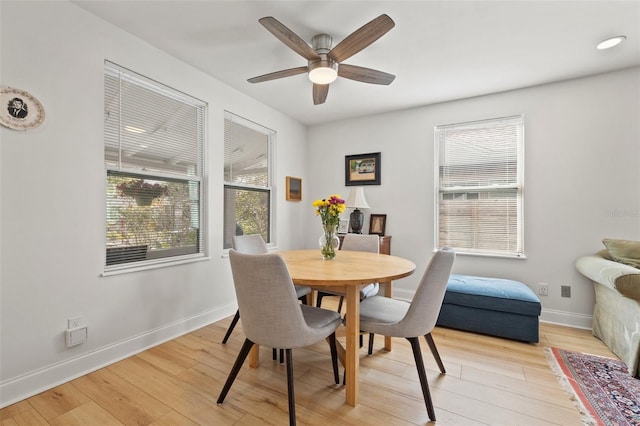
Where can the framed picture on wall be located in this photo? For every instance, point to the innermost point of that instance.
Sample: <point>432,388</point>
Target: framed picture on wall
<point>362,169</point>
<point>294,189</point>
<point>377,223</point>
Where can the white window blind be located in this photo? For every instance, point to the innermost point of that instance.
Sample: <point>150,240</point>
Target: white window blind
<point>248,151</point>
<point>480,192</point>
<point>154,159</point>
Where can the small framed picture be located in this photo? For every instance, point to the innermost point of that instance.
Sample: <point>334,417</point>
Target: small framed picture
<point>343,226</point>
<point>377,223</point>
<point>362,169</point>
<point>294,189</point>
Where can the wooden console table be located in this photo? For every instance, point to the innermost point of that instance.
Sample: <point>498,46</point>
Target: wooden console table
<point>385,243</point>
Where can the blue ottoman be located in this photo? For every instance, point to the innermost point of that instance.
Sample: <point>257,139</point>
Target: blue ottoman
<point>493,306</point>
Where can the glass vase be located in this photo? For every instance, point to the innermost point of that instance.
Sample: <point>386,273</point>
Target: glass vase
<point>329,242</point>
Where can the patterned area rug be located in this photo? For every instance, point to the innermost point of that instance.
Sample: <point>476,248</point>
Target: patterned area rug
<point>601,387</point>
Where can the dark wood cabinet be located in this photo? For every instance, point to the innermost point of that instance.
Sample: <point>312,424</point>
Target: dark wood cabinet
<point>385,243</point>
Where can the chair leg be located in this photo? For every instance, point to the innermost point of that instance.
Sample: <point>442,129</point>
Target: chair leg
<point>370,351</point>
<point>292,399</point>
<point>432,345</point>
<point>234,321</point>
<point>242,356</point>
<point>340,303</point>
<point>274,355</point>
<point>417,355</point>
<point>303,299</point>
<point>334,357</point>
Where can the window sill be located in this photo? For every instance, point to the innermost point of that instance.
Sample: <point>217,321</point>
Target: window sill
<point>493,255</point>
<point>153,265</point>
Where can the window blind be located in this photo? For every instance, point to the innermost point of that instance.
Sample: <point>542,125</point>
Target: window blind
<point>154,158</point>
<point>480,191</point>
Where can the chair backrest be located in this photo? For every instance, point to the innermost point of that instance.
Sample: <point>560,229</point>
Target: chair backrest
<point>361,242</point>
<point>249,244</point>
<point>269,308</point>
<point>427,301</point>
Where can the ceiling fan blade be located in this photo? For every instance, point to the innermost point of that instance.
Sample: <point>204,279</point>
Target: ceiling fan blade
<point>278,74</point>
<point>361,38</point>
<point>320,92</point>
<point>288,37</point>
<point>365,75</point>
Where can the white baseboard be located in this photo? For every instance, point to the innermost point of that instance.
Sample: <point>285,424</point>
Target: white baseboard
<point>568,319</point>
<point>32,383</point>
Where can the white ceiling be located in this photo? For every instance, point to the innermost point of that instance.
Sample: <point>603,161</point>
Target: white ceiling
<point>438,50</point>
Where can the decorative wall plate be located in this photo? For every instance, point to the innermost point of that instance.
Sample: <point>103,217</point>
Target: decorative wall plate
<point>19,109</point>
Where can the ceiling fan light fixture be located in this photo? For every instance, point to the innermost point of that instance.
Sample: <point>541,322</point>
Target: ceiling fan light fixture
<point>323,60</point>
<point>323,71</point>
<point>611,42</point>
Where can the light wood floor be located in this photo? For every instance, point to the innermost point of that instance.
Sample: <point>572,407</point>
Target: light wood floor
<point>489,381</point>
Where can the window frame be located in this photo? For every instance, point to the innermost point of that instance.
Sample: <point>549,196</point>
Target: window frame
<point>518,186</point>
<point>271,136</point>
<point>183,254</point>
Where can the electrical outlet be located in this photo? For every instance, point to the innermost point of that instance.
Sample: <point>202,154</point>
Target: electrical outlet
<point>543,289</point>
<point>74,322</point>
<point>565,291</point>
<point>77,336</point>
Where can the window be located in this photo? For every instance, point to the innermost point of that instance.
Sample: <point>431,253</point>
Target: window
<point>154,160</point>
<point>247,179</point>
<point>480,186</point>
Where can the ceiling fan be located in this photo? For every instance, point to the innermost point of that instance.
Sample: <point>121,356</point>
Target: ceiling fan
<point>324,62</point>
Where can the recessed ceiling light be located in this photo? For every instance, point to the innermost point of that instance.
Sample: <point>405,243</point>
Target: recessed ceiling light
<point>610,42</point>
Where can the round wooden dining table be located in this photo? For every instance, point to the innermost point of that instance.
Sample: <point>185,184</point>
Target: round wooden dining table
<point>347,273</point>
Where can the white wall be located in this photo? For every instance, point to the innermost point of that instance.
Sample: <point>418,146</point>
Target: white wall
<point>53,208</point>
<point>582,179</point>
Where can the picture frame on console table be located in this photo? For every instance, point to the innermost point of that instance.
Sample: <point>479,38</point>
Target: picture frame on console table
<point>362,169</point>
<point>377,224</point>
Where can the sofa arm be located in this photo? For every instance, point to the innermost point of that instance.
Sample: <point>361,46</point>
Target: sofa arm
<point>617,276</point>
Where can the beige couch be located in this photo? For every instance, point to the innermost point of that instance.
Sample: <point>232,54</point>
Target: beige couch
<point>616,314</point>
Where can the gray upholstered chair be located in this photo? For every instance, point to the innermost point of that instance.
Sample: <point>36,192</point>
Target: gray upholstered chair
<point>254,244</point>
<point>356,242</point>
<point>272,316</point>
<point>397,318</point>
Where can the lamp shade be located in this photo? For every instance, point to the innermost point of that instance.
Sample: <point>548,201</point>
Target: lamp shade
<point>356,199</point>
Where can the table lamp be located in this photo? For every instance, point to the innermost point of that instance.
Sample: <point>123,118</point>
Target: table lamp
<point>356,200</point>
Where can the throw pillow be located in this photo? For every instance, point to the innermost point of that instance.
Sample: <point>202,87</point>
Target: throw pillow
<point>605,253</point>
<point>629,285</point>
<point>624,251</point>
